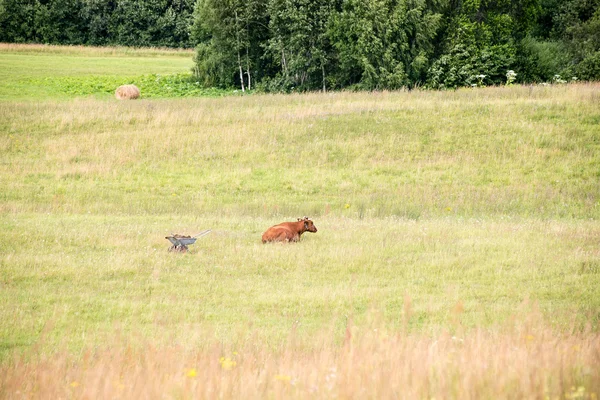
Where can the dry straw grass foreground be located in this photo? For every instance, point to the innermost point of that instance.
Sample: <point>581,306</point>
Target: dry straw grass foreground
<point>127,92</point>
<point>527,360</point>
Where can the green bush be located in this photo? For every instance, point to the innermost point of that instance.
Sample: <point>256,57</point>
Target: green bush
<point>464,63</point>
<point>589,68</point>
<point>539,60</point>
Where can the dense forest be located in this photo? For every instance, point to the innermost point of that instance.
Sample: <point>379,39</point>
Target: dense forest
<point>164,23</point>
<point>297,45</point>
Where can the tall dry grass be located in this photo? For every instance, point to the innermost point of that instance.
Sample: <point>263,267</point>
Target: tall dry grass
<point>522,360</point>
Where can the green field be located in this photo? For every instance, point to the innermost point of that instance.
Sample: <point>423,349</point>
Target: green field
<point>35,72</point>
<point>437,212</point>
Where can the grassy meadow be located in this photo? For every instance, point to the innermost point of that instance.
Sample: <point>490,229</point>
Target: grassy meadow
<point>457,252</point>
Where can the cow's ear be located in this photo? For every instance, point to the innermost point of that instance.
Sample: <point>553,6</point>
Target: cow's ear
<point>305,225</point>
<point>299,219</point>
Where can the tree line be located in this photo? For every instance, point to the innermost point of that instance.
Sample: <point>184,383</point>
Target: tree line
<point>298,45</point>
<point>140,23</point>
<point>289,45</point>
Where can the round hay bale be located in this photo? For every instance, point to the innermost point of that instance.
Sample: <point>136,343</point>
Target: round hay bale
<point>127,92</point>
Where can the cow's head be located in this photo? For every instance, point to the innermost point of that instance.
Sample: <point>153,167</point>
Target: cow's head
<point>308,224</point>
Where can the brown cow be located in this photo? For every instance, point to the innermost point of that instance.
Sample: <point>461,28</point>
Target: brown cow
<point>288,231</point>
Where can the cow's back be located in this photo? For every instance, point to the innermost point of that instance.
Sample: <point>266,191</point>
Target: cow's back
<point>280,233</point>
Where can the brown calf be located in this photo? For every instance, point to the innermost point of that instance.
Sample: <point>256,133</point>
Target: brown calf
<point>288,231</point>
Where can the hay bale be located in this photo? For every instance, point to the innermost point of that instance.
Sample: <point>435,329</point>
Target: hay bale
<point>127,92</point>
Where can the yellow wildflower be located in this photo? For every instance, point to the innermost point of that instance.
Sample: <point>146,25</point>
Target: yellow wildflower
<point>283,378</point>
<point>227,363</point>
<point>191,373</point>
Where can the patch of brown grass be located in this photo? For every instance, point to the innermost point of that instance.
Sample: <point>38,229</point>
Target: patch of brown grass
<point>527,359</point>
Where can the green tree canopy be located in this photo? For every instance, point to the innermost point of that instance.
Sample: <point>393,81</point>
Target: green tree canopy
<point>299,45</point>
